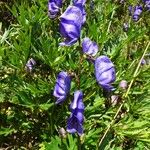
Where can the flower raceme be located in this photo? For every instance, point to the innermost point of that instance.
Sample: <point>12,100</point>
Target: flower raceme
<point>75,121</point>
<point>104,72</point>
<point>70,25</point>
<point>62,87</point>
<point>54,7</point>
<point>89,47</point>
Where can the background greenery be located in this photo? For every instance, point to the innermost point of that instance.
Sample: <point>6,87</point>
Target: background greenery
<point>29,119</point>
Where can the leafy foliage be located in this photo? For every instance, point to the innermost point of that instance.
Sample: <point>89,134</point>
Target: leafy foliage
<point>29,119</point>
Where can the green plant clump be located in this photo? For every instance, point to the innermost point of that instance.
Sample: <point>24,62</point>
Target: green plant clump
<point>29,117</point>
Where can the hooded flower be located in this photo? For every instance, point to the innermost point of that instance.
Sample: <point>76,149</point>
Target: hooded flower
<point>82,2</point>
<point>62,87</point>
<point>54,7</point>
<point>89,47</point>
<point>30,64</point>
<point>75,121</point>
<point>104,72</point>
<point>147,4</point>
<point>70,25</point>
<point>137,13</point>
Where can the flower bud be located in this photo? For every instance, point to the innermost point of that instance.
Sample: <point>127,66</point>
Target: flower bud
<point>114,100</point>
<point>125,27</point>
<point>30,64</point>
<point>89,47</point>
<point>123,84</point>
<point>62,133</point>
<point>54,7</point>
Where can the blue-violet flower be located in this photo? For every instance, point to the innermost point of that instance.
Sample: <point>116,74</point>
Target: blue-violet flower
<point>70,25</point>
<point>105,72</point>
<point>54,7</point>
<point>62,86</point>
<point>75,121</point>
<point>89,47</point>
<point>137,13</point>
<point>82,2</point>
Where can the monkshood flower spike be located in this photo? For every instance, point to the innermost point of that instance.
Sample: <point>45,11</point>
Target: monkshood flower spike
<point>30,64</point>
<point>89,47</point>
<point>62,87</point>
<point>70,25</point>
<point>105,72</point>
<point>54,7</point>
<point>75,121</point>
<point>137,13</point>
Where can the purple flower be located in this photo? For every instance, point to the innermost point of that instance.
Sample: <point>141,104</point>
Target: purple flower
<point>30,64</point>
<point>54,7</point>
<point>82,2</point>
<point>147,4</point>
<point>137,13</point>
<point>89,47</point>
<point>104,72</point>
<point>75,121</point>
<point>70,25</point>
<point>62,87</point>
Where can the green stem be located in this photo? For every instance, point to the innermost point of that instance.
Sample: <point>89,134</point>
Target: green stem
<point>110,21</point>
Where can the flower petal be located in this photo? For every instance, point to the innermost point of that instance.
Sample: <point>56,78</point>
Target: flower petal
<point>89,47</point>
<point>104,72</point>
<point>62,86</point>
